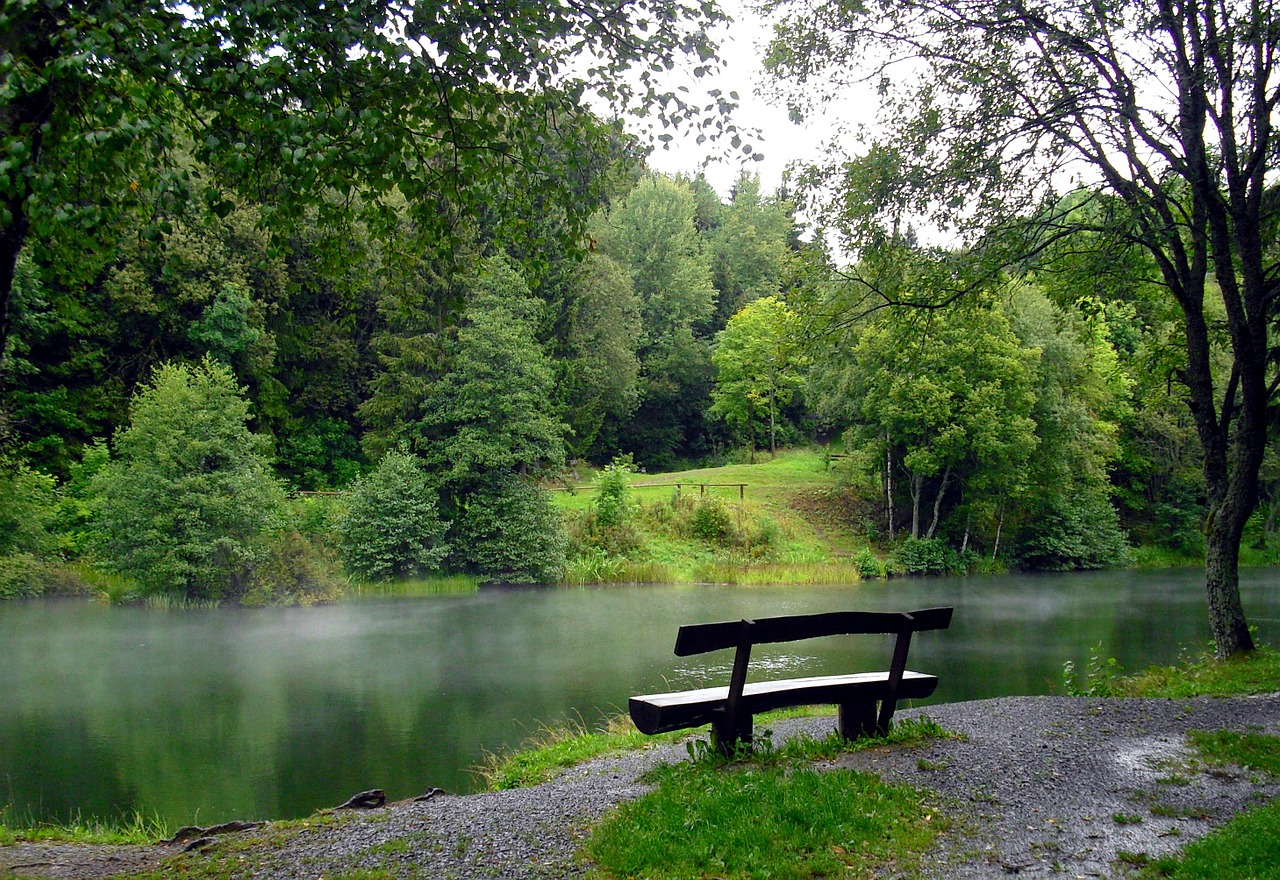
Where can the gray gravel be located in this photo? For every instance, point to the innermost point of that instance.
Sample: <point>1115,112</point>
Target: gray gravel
<point>1036,785</point>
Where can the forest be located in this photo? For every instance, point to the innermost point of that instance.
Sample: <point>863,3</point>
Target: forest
<point>238,276</point>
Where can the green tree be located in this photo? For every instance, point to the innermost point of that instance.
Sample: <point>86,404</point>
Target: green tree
<point>190,490</point>
<point>1166,108</point>
<point>749,248</point>
<point>945,399</point>
<point>601,371</point>
<point>509,531</point>
<point>489,412</point>
<point>652,233</point>
<point>758,366</point>
<point>1082,398</point>
<point>330,107</point>
<point>487,430</point>
<point>391,526</point>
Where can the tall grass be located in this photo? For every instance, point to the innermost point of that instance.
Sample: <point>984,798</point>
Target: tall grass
<point>1204,675</point>
<point>137,828</point>
<point>437,586</point>
<point>749,574</point>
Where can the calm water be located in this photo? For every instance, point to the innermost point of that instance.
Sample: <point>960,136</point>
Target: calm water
<point>208,716</point>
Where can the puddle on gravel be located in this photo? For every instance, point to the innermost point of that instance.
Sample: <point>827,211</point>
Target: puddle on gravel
<point>1149,756</point>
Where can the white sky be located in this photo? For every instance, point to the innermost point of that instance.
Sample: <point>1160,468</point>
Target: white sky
<point>742,49</point>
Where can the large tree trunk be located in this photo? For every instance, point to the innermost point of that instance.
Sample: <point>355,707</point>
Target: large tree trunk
<point>1222,586</point>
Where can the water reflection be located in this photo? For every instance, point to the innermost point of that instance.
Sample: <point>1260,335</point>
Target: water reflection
<point>214,715</point>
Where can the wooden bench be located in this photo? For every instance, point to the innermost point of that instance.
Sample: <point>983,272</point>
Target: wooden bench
<point>729,710</point>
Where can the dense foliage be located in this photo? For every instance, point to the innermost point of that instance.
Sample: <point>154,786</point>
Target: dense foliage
<point>431,284</point>
<point>190,492</point>
<point>1135,130</point>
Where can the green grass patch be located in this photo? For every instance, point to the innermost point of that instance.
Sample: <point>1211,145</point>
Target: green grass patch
<point>1257,673</point>
<point>699,526</point>
<point>1253,751</point>
<point>135,829</point>
<point>1246,848</point>
<point>767,813</point>
<point>554,749</point>
<point>775,822</point>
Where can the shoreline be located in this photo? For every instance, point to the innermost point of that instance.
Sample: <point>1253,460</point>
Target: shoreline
<point>1035,784</point>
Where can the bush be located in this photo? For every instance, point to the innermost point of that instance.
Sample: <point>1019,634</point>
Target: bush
<point>710,521</point>
<point>869,565</point>
<point>613,505</point>
<point>391,527</point>
<point>927,556</point>
<point>28,511</point>
<point>25,576</point>
<point>290,571</point>
<point>22,576</point>
<point>509,532</point>
<point>608,526</point>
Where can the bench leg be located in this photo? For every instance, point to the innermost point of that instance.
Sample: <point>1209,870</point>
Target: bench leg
<point>727,733</point>
<point>856,720</point>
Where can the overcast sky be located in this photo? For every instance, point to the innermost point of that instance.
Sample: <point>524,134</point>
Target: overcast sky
<point>742,48</point>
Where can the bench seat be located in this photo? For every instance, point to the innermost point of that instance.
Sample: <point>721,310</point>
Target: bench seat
<point>660,713</point>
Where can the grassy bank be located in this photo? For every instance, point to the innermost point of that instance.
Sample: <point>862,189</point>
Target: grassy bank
<point>775,521</point>
<point>135,829</point>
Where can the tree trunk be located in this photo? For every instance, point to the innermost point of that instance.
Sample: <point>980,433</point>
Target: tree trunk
<point>917,488</point>
<point>888,483</point>
<point>937,502</point>
<point>773,426</point>
<point>1222,587</point>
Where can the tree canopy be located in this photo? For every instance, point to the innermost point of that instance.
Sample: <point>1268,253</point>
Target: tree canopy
<point>358,109</point>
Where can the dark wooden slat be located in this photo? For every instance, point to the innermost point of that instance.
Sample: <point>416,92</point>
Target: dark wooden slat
<point>699,638</point>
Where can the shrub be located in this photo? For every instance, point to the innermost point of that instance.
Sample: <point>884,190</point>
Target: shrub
<point>762,535</point>
<point>927,556</point>
<point>510,532</point>
<point>290,571</point>
<point>710,521</point>
<point>28,511</point>
<point>869,565</point>
<point>22,576</point>
<point>391,527</point>
<point>613,505</point>
<point>608,526</point>
<point>25,576</point>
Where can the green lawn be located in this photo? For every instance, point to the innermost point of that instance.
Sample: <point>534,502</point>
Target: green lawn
<point>792,500</point>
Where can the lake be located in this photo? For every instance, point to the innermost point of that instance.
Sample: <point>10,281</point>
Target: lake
<point>205,716</point>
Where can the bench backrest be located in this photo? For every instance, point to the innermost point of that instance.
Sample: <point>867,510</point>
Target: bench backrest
<point>699,638</point>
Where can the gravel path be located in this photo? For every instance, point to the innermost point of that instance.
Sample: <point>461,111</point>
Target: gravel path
<point>1038,785</point>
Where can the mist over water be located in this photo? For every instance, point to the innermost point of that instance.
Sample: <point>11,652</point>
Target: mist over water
<point>210,715</point>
